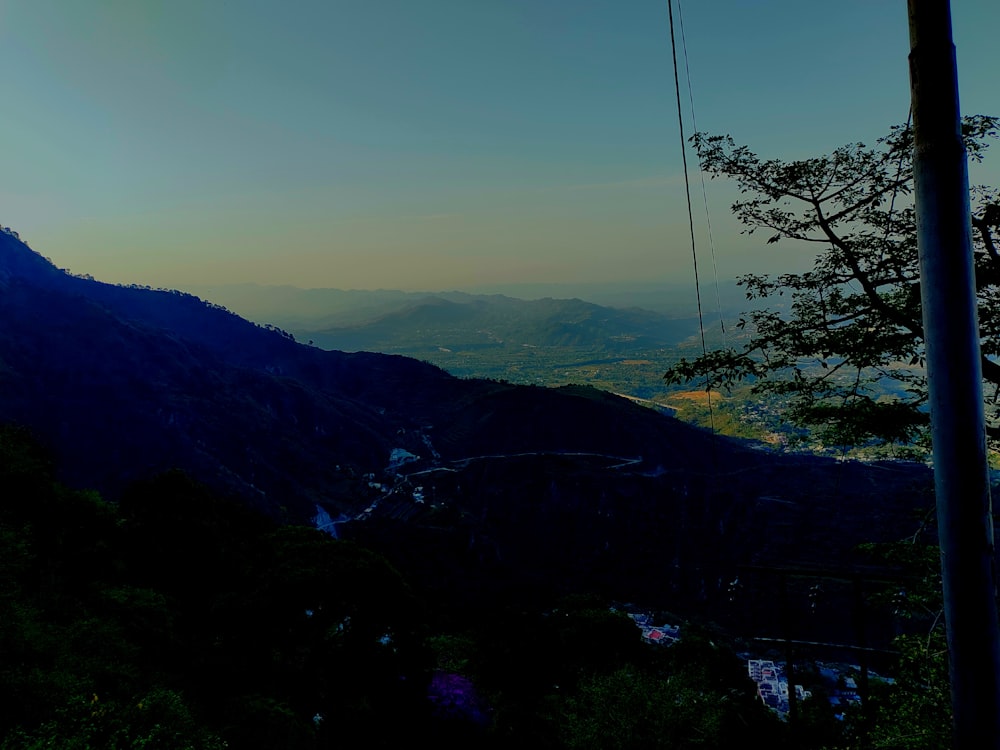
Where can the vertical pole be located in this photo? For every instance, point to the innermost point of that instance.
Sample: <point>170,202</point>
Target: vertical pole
<point>944,237</point>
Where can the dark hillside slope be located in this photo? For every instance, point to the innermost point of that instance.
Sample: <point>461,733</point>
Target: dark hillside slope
<point>123,382</point>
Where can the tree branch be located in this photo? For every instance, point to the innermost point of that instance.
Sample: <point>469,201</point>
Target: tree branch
<point>866,284</point>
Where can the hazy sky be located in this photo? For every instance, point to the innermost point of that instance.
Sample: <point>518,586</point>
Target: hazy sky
<point>424,144</point>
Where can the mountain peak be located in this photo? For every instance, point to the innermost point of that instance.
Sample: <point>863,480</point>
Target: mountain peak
<point>18,261</point>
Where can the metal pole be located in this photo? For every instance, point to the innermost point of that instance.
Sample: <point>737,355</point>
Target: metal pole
<point>944,236</point>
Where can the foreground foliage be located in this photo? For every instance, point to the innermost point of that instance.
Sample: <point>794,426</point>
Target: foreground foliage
<point>180,621</point>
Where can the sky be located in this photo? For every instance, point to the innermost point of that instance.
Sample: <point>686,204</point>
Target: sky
<point>428,144</point>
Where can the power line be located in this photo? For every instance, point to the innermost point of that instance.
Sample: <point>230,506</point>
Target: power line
<point>701,173</point>
<point>687,192</point>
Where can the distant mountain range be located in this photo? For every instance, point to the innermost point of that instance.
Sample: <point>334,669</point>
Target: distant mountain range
<point>564,483</point>
<point>415,323</point>
<point>471,323</point>
<point>292,307</point>
<point>546,341</point>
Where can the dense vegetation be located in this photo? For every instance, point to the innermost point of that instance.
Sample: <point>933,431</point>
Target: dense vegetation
<point>176,619</point>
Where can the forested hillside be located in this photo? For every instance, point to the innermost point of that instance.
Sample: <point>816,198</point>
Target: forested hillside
<point>180,621</point>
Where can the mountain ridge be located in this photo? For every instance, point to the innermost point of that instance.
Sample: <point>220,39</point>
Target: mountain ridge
<point>125,382</point>
<point>152,362</point>
<point>410,322</point>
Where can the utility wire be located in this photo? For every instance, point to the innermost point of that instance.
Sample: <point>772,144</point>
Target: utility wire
<point>701,172</point>
<point>687,191</point>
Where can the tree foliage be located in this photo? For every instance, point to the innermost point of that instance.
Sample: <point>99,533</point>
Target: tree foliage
<point>914,711</point>
<point>177,619</point>
<point>180,620</point>
<point>844,340</point>
<point>695,695</point>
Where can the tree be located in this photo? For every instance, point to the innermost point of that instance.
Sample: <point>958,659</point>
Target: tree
<point>693,694</point>
<point>914,709</point>
<point>845,341</point>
